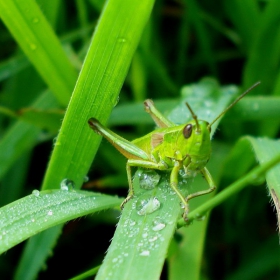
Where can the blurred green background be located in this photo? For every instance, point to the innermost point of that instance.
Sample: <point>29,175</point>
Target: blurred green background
<point>234,42</point>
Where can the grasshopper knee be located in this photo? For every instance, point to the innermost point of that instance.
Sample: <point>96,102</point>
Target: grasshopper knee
<point>148,103</point>
<point>93,123</point>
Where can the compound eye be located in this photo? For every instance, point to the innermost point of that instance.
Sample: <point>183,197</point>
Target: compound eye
<point>187,131</point>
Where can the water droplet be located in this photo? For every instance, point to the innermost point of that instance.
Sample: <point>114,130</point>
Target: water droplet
<point>117,101</point>
<point>145,253</point>
<point>122,40</point>
<point>199,217</point>
<point>147,205</point>
<point>145,235</point>
<point>50,213</point>
<point>36,193</point>
<point>148,179</point>
<point>158,224</point>
<point>35,20</point>
<point>55,142</point>
<point>67,185</point>
<point>153,239</point>
<point>86,179</point>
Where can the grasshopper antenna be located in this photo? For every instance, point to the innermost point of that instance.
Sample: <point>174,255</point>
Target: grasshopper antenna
<point>233,103</point>
<point>194,117</point>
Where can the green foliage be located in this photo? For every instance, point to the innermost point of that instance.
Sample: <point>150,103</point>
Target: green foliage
<point>139,50</point>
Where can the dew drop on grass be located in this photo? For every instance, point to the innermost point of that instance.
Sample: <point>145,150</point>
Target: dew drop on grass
<point>67,185</point>
<point>36,193</point>
<point>147,205</point>
<point>145,253</point>
<point>55,142</point>
<point>117,101</point>
<point>132,223</point>
<point>158,224</point>
<point>121,40</point>
<point>199,217</point>
<point>148,179</point>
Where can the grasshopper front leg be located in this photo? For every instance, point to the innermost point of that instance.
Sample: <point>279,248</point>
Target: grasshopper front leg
<point>174,185</point>
<point>138,163</point>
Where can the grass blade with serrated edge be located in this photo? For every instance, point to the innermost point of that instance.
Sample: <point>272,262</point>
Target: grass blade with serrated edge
<point>265,149</point>
<point>27,216</point>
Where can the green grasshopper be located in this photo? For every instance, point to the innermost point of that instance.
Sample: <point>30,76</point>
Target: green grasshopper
<point>171,147</point>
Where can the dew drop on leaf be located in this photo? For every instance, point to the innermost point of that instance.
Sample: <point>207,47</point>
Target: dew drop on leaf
<point>158,224</point>
<point>67,185</point>
<point>36,193</point>
<point>50,213</point>
<point>147,205</point>
<point>86,179</point>
<point>148,179</point>
<point>145,253</point>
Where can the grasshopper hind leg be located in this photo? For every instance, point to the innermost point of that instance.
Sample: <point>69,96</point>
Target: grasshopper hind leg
<point>158,118</point>
<point>206,174</point>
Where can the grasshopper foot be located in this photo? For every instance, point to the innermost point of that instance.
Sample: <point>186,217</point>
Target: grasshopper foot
<point>125,201</point>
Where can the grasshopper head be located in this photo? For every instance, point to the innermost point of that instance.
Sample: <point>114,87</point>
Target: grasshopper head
<point>197,134</point>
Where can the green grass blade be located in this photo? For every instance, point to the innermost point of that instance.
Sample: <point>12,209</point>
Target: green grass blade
<point>96,92</point>
<point>35,36</point>
<point>256,108</point>
<point>12,66</point>
<point>203,38</point>
<point>264,53</point>
<point>265,150</point>
<point>41,210</point>
<point>142,241</point>
<point>245,16</point>
<point>97,89</point>
<point>249,108</point>
<point>36,251</point>
<point>22,136</point>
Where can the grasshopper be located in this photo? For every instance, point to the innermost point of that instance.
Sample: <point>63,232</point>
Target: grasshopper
<point>171,147</point>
